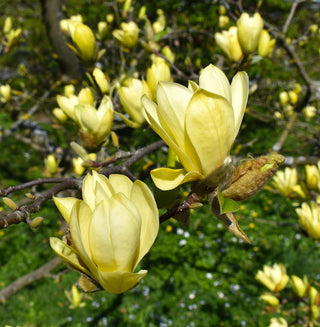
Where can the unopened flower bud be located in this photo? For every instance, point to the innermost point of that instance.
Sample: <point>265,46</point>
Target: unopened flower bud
<point>36,222</point>
<point>101,80</point>
<point>249,31</point>
<point>102,30</point>
<point>251,176</point>
<point>80,151</point>
<point>284,98</point>
<point>10,203</point>
<point>84,42</point>
<point>293,97</point>
<point>299,286</point>
<point>7,26</point>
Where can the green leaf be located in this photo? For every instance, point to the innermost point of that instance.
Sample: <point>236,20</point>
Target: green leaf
<point>226,205</point>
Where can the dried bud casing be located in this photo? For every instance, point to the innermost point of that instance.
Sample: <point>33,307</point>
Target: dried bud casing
<point>251,176</point>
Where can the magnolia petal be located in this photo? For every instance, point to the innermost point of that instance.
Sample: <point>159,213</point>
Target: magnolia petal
<point>121,184</point>
<point>114,240</point>
<point>146,205</point>
<point>240,92</point>
<point>214,80</point>
<point>76,235</point>
<point>65,206</point>
<point>193,86</point>
<point>172,101</point>
<point>67,105</point>
<point>167,179</point>
<point>100,239</point>
<point>213,142</point>
<point>125,225</point>
<point>152,118</point>
<point>89,186</point>
<point>89,117</point>
<point>68,254</point>
<point>120,281</point>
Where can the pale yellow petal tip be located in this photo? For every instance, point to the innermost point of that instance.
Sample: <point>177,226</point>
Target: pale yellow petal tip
<point>120,281</point>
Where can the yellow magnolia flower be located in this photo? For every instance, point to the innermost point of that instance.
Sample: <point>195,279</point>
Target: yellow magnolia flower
<point>313,176</point>
<point>309,218</point>
<point>83,40</point>
<point>130,93</point>
<point>309,112</point>
<point>285,181</point>
<point>278,322</point>
<point>75,298</point>
<point>249,31</point>
<point>51,164</point>
<point>127,35</point>
<point>95,124</point>
<point>101,80</point>
<point>273,277</point>
<point>199,123</point>
<point>270,299</point>
<point>111,230</point>
<point>158,72</point>
<point>229,43</point>
<point>69,102</point>
<point>299,286</point>
<point>5,91</point>
<point>265,45</point>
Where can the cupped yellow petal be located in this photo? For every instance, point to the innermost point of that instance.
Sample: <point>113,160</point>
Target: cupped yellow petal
<point>240,92</point>
<point>89,186</point>
<point>152,118</point>
<point>212,143</point>
<point>120,281</point>
<point>65,206</point>
<point>114,241</point>
<point>167,179</point>
<point>146,205</point>
<point>77,233</point>
<point>121,183</point>
<point>172,101</point>
<point>214,80</point>
<point>68,254</point>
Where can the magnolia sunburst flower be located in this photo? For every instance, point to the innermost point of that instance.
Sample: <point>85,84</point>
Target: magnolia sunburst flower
<point>199,123</point>
<point>111,230</point>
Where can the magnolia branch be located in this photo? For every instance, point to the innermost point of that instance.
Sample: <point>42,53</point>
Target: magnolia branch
<point>22,214</point>
<point>25,280</point>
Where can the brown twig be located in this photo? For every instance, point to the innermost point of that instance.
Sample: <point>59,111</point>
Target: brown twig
<point>184,206</point>
<point>25,280</point>
<point>35,182</point>
<point>23,213</point>
<point>290,16</point>
<point>278,145</point>
<point>123,167</point>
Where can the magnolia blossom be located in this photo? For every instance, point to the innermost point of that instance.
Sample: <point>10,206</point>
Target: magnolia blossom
<point>111,230</point>
<point>273,277</point>
<point>199,123</point>
<point>130,93</point>
<point>299,286</point>
<point>229,43</point>
<point>309,218</point>
<point>266,44</point>
<point>286,181</point>
<point>249,31</point>
<point>278,322</point>
<point>127,35</point>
